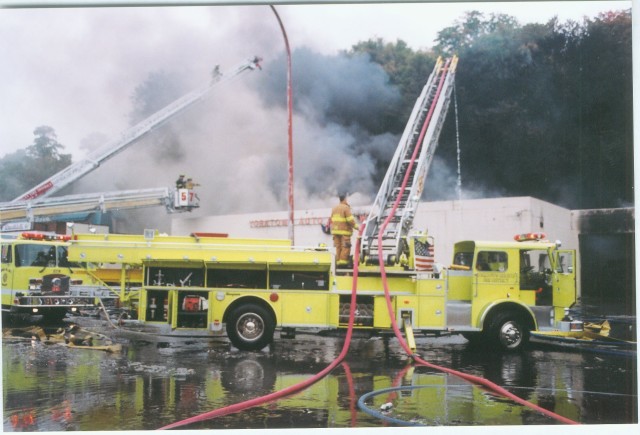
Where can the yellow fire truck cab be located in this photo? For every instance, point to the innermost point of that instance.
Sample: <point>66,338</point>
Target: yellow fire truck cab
<point>37,276</point>
<point>494,291</point>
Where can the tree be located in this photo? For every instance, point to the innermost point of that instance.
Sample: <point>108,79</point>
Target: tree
<point>407,69</point>
<point>23,169</point>
<point>600,78</point>
<point>465,32</point>
<point>46,145</point>
<point>545,110</point>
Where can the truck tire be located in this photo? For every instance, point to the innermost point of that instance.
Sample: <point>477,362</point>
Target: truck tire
<point>507,331</point>
<point>250,327</point>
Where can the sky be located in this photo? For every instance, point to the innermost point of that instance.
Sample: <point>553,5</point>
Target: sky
<point>77,69</point>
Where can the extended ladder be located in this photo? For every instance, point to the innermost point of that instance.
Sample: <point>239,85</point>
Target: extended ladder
<point>130,136</point>
<point>175,200</point>
<point>393,210</point>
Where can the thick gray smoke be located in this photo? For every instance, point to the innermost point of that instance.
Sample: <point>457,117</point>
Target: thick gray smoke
<point>235,144</point>
<point>340,102</point>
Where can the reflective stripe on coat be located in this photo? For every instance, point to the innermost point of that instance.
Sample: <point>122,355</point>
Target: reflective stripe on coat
<point>342,221</point>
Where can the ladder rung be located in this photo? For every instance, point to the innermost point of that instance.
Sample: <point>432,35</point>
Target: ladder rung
<point>391,193</point>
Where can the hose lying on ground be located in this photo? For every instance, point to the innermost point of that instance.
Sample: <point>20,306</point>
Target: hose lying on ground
<point>470,378</point>
<point>382,416</point>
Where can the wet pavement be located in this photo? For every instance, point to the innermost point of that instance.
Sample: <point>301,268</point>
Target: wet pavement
<point>154,381</point>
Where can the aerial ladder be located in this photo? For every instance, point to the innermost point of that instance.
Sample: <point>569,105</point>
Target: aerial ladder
<point>399,194</point>
<point>175,201</point>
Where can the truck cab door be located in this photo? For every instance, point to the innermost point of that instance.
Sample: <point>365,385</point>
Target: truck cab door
<point>493,277</point>
<point>564,278</point>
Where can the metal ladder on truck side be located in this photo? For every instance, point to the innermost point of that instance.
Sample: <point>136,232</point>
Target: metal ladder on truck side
<point>401,189</point>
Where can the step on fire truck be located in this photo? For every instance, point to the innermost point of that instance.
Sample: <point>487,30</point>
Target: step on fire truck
<point>494,291</point>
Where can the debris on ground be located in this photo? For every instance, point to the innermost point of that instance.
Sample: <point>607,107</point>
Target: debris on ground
<point>71,336</point>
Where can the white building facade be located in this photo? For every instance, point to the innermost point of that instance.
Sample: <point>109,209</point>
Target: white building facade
<point>447,222</point>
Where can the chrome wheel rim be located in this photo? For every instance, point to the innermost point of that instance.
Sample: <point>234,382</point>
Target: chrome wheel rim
<point>250,326</point>
<point>510,335</point>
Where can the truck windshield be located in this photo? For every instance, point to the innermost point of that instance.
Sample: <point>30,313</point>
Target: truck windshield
<point>42,256</point>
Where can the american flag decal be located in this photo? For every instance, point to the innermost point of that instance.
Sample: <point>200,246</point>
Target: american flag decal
<point>423,255</point>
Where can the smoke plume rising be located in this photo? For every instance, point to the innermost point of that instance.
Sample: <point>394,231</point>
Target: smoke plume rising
<point>234,144</point>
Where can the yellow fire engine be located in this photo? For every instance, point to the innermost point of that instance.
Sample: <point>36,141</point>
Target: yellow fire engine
<point>37,277</point>
<point>495,291</point>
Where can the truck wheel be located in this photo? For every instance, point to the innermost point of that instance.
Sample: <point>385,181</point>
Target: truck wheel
<point>507,332</point>
<point>250,327</point>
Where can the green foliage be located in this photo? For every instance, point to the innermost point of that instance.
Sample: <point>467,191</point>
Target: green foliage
<point>544,109</point>
<point>406,68</point>
<point>602,85</point>
<point>24,169</point>
<point>465,32</point>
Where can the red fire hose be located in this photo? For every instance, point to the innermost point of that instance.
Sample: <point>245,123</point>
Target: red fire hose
<point>304,384</point>
<point>471,378</point>
<point>237,407</point>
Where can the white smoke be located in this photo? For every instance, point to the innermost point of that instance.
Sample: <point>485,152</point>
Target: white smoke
<point>235,144</point>
<point>442,183</point>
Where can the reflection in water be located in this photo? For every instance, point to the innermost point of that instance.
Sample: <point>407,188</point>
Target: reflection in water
<point>151,384</point>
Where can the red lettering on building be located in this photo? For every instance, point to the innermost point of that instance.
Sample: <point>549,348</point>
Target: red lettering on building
<point>264,223</point>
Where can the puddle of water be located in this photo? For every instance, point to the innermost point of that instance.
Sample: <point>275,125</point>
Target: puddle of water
<point>152,383</point>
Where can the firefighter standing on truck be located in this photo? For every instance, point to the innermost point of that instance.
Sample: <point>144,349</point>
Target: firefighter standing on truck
<point>342,224</point>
